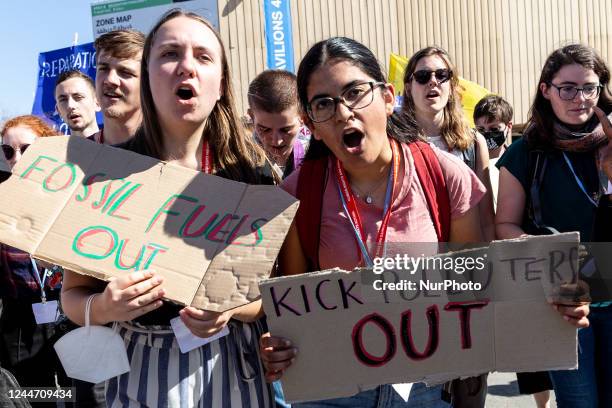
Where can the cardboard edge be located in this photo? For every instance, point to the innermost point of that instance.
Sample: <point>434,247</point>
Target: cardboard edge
<point>61,209</point>
<point>199,287</point>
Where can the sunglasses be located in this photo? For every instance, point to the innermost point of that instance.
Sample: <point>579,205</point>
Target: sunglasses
<point>424,75</point>
<point>9,151</point>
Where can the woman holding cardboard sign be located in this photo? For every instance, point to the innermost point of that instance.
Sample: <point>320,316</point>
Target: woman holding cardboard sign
<point>359,142</point>
<point>553,180</point>
<point>390,180</point>
<point>189,119</point>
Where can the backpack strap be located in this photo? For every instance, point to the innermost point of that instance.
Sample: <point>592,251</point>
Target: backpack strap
<point>310,189</point>
<point>432,180</point>
<point>469,155</point>
<point>538,159</point>
<point>311,186</point>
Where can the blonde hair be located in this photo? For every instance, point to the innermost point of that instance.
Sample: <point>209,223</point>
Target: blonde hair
<point>234,153</point>
<point>455,130</point>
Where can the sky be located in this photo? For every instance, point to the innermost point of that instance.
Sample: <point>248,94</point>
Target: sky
<point>28,28</point>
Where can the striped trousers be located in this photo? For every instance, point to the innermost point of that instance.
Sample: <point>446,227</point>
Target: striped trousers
<point>224,373</point>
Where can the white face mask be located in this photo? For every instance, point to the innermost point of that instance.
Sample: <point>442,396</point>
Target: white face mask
<point>92,353</point>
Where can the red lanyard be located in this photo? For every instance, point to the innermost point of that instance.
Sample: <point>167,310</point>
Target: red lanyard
<point>207,158</point>
<point>350,205</point>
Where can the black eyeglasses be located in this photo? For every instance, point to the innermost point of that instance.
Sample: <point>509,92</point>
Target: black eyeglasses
<point>357,96</point>
<point>9,151</point>
<point>423,76</point>
<point>569,92</point>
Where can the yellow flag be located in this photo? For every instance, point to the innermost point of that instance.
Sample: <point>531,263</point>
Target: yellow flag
<point>470,95</point>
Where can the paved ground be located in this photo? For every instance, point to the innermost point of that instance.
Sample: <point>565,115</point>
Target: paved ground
<point>503,393</point>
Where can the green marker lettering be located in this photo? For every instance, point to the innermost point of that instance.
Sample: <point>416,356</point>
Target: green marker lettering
<point>231,239</point>
<point>104,194</point>
<point>184,231</point>
<point>86,189</point>
<point>32,167</point>
<point>79,241</point>
<point>121,200</point>
<point>213,236</point>
<point>115,194</point>
<point>156,249</point>
<point>119,263</point>
<point>164,208</point>
<point>68,183</point>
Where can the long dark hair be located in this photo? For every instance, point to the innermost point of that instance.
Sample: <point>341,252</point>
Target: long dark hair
<point>234,153</point>
<point>345,49</point>
<point>541,115</point>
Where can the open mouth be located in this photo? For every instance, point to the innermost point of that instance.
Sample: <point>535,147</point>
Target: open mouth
<point>184,94</point>
<point>352,139</point>
<point>73,116</point>
<point>112,95</point>
<point>432,94</point>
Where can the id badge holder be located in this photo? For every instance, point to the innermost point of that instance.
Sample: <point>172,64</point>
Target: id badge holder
<point>45,312</point>
<point>187,341</point>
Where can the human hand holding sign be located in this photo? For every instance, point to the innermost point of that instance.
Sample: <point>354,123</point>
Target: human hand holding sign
<point>605,153</point>
<point>575,315</point>
<point>277,354</point>
<point>128,297</point>
<point>204,323</point>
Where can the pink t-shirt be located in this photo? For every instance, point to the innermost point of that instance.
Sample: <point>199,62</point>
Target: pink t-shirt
<point>410,219</point>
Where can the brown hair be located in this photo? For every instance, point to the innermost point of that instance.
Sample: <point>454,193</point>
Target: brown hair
<point>121,44</point>
<point>455,129</point>
<point>38,126</point>
<point>273,91</point>
<point>493,107</point>
<point>75,73</point>
<point>541,115</point>
<point>235,153</point>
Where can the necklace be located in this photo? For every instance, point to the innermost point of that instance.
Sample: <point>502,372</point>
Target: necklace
<point>365,195</point>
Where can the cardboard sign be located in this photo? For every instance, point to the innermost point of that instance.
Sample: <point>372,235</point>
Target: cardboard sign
<point>425,333</point>
<point>103,211</point>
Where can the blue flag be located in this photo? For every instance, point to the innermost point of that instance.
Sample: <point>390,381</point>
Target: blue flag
<point>279,37</point>
<point>50,65</point>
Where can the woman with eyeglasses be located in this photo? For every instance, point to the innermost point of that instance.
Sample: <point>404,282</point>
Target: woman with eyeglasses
<point>550,181</point>
<point>26,347</point>
<point>359,142</point>
<point>432,102</point>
